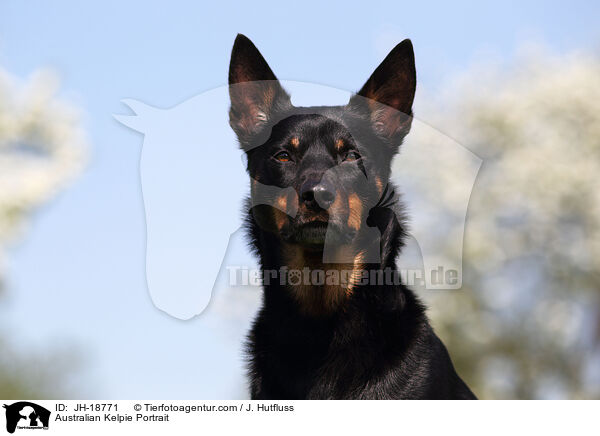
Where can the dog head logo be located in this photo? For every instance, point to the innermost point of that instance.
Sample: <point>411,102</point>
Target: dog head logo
<point>26,415</point>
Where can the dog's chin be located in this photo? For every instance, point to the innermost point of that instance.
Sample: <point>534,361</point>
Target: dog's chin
<point>311,235</point>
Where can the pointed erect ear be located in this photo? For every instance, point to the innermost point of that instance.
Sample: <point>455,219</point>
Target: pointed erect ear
<point>256,94</point>
<point>388,95</point>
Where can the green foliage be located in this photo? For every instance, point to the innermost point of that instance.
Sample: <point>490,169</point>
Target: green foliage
<point>41,148</point>
<point>36,375</point>
<point>526,323</point>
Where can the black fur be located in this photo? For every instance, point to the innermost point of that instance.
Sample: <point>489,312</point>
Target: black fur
<point>365,341</point>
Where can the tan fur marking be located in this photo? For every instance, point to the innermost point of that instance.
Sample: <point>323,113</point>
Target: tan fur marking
<point>339,144</point>
<point>336,207</point>
<point>357,268</point>
<point>379,184</point>
<point>280,211</point>
<point>355,207</point>
<point>319,300</point>
<point>282,203</point>
<point>280,218</point>
<point>295,142</point>
<point>314,299</point>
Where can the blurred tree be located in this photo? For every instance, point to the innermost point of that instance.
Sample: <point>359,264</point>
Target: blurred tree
<point>42,147</point>
<point>525,324</point>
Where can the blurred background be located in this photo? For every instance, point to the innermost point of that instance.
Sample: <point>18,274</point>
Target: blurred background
<point>518,84</point>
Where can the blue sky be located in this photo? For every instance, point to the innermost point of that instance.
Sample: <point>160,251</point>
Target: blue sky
<point>83,259</point>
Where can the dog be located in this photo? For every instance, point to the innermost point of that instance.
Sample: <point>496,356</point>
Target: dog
<point>321,206</point>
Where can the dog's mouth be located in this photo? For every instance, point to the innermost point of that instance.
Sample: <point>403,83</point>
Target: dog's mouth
<point>314,234</point>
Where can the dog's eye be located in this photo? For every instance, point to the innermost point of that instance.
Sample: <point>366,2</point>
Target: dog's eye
<point>352,156</point>
<point>283,156</point>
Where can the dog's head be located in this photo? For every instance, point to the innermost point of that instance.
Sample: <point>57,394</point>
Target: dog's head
<point>330,165</point>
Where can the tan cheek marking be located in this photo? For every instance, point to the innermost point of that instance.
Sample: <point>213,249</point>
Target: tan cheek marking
<point>279,218</point>
<point>336,206</point>
<point>282,203</point>
<point>339,144</point>
<point>355,215</point>
<point>281,211</point>
<point>295,142</point>
<point>379,184</point>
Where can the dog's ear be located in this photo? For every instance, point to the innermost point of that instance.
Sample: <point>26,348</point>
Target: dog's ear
<point>256,94</point>
<point>387,96</point>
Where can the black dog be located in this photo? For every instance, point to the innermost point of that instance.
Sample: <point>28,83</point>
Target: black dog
<point>321,209</point>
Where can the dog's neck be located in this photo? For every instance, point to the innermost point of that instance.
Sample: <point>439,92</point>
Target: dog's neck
<point>324,286</point>
<point>321,283</point>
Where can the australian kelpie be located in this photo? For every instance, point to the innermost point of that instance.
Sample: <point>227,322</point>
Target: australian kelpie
<point>327,225</point>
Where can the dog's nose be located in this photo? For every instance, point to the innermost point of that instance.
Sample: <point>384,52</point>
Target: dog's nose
<point>317,195</point>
